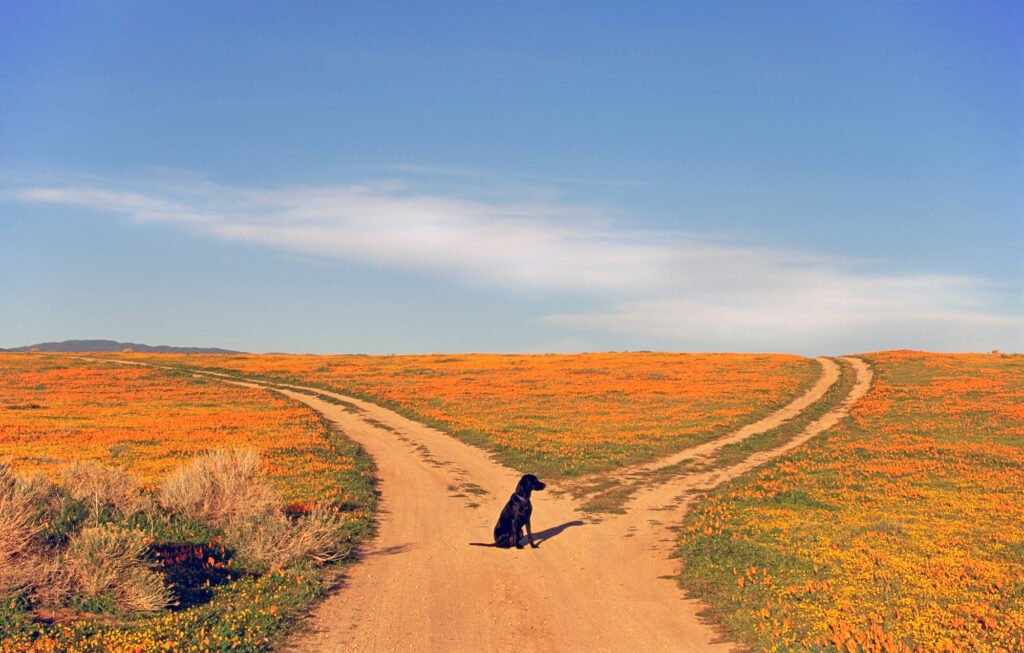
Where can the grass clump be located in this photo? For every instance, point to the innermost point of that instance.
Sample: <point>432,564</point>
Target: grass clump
<point>219,488</point>
<point>20,534</point>
<point>274,541</point>
<point>105,491</point>
<point>109,571</point>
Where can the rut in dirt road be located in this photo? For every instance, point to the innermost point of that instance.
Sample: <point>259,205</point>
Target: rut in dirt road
<point>594,490</point>
<point>829,377</point>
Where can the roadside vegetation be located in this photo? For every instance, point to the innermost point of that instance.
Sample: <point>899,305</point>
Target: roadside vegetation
<point>223,552</point>
<point>554,415</point>
<point>898,530</point>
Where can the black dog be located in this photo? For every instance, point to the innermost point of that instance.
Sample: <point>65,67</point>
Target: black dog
<point>516,514</point>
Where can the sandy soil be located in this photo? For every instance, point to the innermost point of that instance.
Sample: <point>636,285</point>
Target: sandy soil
<point>592,585</point>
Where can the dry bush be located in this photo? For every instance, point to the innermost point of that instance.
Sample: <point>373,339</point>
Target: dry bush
<point>273,541</point>
<point>226,490</point>
<point>53,584</point>
<point>23,505</point>
<point>220,488</point>
<point>104,488</point>
<point>40,492</point>
<point>107,561</point>
<point>320,536</point>
<point>261,541</point>
<point>19,529</point>
<point>8,479</point>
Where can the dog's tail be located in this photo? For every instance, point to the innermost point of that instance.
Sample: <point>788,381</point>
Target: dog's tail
<point>482,544</point>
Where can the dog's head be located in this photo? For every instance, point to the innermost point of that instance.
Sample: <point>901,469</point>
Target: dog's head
<point>530,483</point>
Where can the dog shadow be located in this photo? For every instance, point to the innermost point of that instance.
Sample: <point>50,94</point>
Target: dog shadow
<point>548,533</point>
<point>539,536</point>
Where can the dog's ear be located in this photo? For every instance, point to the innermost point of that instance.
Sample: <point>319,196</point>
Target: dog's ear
<point>523,485</point>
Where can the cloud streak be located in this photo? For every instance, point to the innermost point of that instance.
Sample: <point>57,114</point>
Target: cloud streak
<point>678,289</point>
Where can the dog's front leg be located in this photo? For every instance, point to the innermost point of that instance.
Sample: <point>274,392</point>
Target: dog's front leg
<point>517,532</point>
<point>529,532</point>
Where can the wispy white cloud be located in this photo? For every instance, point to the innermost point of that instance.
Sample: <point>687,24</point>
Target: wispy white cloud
<point>682,289</point>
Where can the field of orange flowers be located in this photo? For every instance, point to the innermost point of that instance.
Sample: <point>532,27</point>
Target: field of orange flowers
<point>900,530</point>
<point>558,414</point>
<point>58,409</point>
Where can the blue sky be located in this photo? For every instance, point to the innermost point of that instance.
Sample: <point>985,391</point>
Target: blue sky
<point>813,177</point>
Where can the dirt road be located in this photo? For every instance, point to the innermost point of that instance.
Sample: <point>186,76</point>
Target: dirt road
<point>604,586</point>
<point>593,585</point>
<point>829,376</point>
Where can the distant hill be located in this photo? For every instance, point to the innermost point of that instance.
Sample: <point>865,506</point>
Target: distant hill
<point>80,346</point>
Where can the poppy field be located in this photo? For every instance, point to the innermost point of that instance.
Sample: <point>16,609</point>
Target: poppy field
<point>98,458</point>
<point>555,414</point>
<point>902,529</point>
<point>55,410</point>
